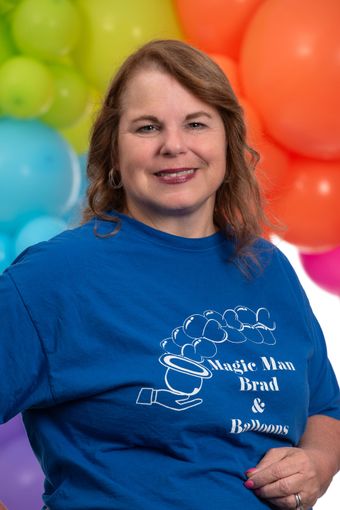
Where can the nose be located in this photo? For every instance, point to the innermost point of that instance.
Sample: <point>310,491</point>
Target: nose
<point>173,142</point>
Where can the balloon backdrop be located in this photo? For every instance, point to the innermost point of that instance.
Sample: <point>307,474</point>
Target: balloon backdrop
<point>37,167</point>
<point>290,70</point>
<point>113,29</point>
<point>38,229</point>
<point>11,430</point>
<point>282,59</point>
<point>45,28</point>
<point>230,69</point>
<point>26,87</point>
<point>71,96</point>
<point>217,27</point>
<point>21,480</point>
<point>78,134</point>
<point>6,251</point>
<point>272,169</point>
<point>6,46</point>
<point>309,206</point>
<point>324,269</point>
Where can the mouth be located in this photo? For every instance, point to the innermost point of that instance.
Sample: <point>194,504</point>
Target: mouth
<point>171,173</point>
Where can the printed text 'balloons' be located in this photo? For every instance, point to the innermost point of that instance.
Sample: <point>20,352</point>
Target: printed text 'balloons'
<point>290,71</point>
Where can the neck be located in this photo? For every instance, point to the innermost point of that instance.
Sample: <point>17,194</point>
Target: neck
<point>183,225</point>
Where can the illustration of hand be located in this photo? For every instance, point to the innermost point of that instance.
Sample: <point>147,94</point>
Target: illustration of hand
<point>166,398</point>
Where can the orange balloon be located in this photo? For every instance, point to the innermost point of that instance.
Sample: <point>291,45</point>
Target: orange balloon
<point>290,71</point>
<point>272,169</point>
<point>253,124</point>
<point>216,26</point>
<point>310,205</point>
<point>229,67</point>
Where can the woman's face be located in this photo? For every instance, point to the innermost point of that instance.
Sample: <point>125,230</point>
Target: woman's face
<point>172,150</point>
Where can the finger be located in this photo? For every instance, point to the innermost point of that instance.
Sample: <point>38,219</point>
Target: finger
<point>281,488</point>
<point>287,502</point>
<point>281,469</point>
<point>274,455</point>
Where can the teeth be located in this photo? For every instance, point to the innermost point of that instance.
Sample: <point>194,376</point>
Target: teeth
<point>175,174</point>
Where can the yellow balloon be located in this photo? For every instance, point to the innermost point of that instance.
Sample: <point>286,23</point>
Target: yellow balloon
<point>71,95</point>
<point>78,135</point>
<point>112,29</point>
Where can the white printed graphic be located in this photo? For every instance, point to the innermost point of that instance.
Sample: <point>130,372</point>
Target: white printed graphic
<point>194,342</point>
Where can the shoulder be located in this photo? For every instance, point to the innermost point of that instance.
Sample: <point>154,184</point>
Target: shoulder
<point>53,260</point>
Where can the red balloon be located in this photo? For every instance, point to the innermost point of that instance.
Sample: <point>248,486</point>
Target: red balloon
<point>309,205</point>
<point>216,26</point>
<point>290,71</point>
<point>324,269</point>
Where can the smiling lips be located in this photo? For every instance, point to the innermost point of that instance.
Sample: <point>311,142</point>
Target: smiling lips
<point>175,175</point>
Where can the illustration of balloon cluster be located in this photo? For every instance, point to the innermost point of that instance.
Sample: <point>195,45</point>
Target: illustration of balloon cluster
<point>200,334</point>
<point>56,60</point>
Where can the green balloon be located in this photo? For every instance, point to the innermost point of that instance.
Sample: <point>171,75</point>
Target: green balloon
<point>70,100</point>
<point>46,29</point>
<point>112,29</point>
<point>7,48</point>
<point>26,87</point>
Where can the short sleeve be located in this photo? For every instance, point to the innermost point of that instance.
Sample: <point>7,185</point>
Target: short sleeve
<point>24,381</point>
<point>324,389</point>
<point>324,396</point>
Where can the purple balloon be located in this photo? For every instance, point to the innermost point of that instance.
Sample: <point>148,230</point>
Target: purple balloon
<point>11,430</point>
<point>21,479</point>
<point>324,269</point>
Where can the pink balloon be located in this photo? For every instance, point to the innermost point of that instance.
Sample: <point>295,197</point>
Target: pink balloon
<point>324,269</point>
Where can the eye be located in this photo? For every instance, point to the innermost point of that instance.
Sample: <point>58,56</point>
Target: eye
<point>196,125</point>
<point>148,128</point>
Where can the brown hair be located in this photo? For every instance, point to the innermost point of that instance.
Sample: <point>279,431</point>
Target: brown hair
<point>238,208</point>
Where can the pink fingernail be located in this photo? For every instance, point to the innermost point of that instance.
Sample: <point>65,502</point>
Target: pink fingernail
<point>250,472</point>
<point>249,484</point>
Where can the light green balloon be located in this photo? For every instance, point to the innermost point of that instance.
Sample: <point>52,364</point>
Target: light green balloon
<point>112,29</point>
<point>70,100</point>
<point>46,29</point>
<point>26,87</point>
<point>7,48</point>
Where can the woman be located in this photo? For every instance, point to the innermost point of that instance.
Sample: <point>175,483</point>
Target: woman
<point>164,356</point>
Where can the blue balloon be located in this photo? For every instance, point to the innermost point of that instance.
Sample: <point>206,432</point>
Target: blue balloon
<point>83,168</point>
<point>37,230</point>
<point>73,216</point>
<point>39,173</point>
<point>6,251</point>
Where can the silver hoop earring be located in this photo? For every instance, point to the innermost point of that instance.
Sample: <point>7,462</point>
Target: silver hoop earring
<point>114,179</point>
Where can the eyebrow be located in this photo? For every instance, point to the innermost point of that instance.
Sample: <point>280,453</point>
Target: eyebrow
<point>190,116</point>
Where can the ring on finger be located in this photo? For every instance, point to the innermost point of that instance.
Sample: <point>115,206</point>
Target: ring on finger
<point>298,501</point>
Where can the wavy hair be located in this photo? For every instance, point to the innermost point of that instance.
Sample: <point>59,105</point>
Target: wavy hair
<point>238,207</point>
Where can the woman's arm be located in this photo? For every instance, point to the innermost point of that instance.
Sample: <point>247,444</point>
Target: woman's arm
<point>306,470</point>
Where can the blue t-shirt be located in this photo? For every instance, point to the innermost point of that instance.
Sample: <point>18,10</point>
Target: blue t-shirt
<point>151,371</point>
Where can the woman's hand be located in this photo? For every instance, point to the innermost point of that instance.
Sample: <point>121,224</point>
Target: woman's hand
<point>306,471</point>
<point>284,472</point>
